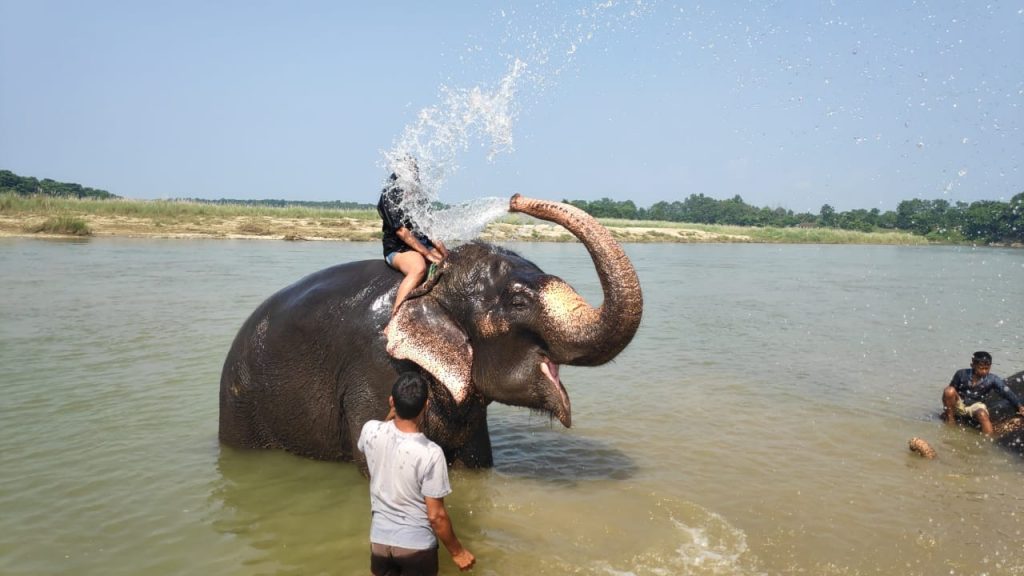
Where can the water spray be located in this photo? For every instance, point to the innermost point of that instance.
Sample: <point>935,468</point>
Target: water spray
<point>426,154</point>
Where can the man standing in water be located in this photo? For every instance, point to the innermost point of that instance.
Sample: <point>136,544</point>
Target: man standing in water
<point>408,483</point>
<point>962,397</point>
<point>406,248</point>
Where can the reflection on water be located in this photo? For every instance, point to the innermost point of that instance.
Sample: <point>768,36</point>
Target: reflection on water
<point>289,512</point>
<point>64,239</point>
<point>538,452</point>
<point>758,423</point>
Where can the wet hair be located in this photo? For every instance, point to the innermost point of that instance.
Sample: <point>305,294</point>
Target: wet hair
<point>982,357</point>
<point>409,394</point>
<point>407,166</point>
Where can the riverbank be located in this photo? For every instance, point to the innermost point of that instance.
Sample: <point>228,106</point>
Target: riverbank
<point>41,216</point>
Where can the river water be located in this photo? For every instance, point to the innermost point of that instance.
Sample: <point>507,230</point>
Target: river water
<point>757,424</point>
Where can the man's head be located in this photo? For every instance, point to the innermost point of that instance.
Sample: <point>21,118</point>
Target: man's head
<point>980,357</point>
<point>409,395</point>
<point>981,362</point>
<point>405,169</point>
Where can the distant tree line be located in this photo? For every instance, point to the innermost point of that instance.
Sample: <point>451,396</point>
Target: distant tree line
<point>984,221</point>
<point>28,186</point>
<point>328,205</point>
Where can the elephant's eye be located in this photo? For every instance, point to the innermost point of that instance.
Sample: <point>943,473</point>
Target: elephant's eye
<point>520,297</point>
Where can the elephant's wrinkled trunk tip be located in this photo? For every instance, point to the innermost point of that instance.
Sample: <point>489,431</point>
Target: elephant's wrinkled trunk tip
<point>578,333</point>
<point>921,447</point>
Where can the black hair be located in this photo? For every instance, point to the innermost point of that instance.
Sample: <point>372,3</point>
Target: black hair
<point>982,357</point>
<point>409,394</point>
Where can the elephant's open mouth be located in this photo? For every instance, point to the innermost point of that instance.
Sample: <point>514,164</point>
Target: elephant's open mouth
<point>563,411</point>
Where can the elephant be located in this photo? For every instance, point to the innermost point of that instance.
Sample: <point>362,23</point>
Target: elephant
<point>1006,424</point>
<point>317,359</point>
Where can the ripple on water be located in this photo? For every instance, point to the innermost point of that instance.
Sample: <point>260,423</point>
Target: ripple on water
<point>110,463</point>
<point>600,528</point>
<point>539,452</point>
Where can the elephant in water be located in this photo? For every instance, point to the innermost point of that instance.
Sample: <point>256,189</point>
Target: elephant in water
<point>1007,425</point>
<point>317,359</point>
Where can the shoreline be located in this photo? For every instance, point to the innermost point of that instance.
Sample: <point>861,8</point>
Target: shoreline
<point>361,229</point>
<point>347,230</point>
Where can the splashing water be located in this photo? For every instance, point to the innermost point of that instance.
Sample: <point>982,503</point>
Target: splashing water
<point>466,221</point>
<point>440,132</point>
<point>426,154</point>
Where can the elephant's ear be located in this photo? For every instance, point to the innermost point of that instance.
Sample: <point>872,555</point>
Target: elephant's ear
<point>421,331</point>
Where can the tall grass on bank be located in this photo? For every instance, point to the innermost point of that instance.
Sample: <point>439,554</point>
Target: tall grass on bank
<point>780,235</point>
<point>257,220</point>
<point>165,209</point>
<point>66,225</point>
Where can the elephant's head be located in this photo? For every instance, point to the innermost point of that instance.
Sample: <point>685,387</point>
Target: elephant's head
<point>494,325</point>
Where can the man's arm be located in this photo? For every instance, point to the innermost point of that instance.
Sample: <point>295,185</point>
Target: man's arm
<point>367,426</point>
<point>442,525</point>
<point>1007,393</point>
<point>406,235</point>
<point>440,247</point>
<point>955,380</point>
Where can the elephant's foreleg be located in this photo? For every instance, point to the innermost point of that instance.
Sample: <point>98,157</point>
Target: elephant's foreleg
<point>476,452</point>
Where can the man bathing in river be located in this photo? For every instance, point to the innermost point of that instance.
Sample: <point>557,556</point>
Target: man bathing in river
<point>962,397</point>
<point>408,483</point>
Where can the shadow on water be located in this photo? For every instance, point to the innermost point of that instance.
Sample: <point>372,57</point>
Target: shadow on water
<point>63,239</point>
<point>538,452</point>
<point>288,511</point>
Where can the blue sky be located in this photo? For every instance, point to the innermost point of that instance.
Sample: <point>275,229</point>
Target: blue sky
<point>792,104</point>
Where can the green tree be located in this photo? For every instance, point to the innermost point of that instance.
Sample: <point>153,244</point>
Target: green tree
<point>1015,219</point>
<point>27,186</point>
<point>923,216</point>
<point>827,216</point>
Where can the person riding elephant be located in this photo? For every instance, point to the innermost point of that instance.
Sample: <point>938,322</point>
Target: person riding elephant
<point>1005,421</point>
<point>316,360</point>
<point>406,248</point>
<point>962,397</point>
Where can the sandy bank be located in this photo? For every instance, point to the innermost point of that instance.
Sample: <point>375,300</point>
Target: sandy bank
<point>337,229</point>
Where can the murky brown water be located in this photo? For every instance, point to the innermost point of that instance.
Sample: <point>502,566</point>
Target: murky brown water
<point>756,425</point>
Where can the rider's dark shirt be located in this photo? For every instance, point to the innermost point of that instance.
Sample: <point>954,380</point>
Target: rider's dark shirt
<point>393,217</point>
<point>971,393</point>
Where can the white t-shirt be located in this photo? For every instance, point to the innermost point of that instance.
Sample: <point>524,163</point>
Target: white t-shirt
<point>404,469</point>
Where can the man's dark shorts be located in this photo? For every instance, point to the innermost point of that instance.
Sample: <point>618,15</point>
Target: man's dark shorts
<point>395,561</point>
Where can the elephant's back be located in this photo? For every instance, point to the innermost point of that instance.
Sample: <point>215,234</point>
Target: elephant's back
<point>1013,438</point>
<point>345,278</point>
<point>363,282</point>
<point>286,360</point>
<point>1016,382</point>
<point>999,408</point>
<point>353,297</point>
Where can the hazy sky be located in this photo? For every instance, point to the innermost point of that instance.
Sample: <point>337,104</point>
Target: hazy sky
<point>858,104</point>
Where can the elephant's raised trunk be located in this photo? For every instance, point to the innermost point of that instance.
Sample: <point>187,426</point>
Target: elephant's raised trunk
<point>576,332</point>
